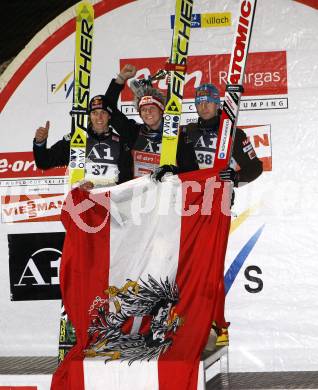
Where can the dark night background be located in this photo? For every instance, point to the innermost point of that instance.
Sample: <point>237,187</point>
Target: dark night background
<point>22,19</point>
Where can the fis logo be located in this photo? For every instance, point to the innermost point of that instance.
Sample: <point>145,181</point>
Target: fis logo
<point>67,85</point>
<point>60,81</point>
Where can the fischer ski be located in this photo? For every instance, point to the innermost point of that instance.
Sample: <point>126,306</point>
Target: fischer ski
<point>82,76</point>
<point>234,87</point>
<point>67,337</point>
<point>82,71</point>
<point>176,81</point>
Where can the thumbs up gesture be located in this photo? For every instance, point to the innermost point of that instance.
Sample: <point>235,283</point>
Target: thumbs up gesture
<point>42,133</point>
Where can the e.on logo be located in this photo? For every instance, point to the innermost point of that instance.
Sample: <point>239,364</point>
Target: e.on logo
<point>22,164</point>
<point>265,73</point>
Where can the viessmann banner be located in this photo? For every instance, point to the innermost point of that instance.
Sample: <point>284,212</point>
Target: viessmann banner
<point>270,293</point>
<point>31,208</point>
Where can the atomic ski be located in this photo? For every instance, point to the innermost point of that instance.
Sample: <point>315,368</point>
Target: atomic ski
<point>82,76</point>
<point>234,88</point>
<point>82,72</point>
<point>176,78</point>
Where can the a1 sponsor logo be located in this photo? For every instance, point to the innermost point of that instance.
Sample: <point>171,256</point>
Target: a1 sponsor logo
<point>34,264</point>
<point>22,164</point>
<point>265,73</point>
<point>31,208</point>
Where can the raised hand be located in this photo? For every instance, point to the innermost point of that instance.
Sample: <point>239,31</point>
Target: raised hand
<point>42,133</point>
<point>127,72</point>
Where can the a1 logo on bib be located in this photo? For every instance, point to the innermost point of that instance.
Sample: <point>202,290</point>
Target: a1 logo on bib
<point>100,152</point>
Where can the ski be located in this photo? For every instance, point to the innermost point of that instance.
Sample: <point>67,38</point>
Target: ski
<point>82,72</point>
<point>82,76</point>
<point>176,81</point>
<point>234,87</point>
<point>67,337</point>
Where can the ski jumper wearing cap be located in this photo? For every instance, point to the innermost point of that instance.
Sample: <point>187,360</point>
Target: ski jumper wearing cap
<point>144,141</point>
<point>244,168</point>
<point>203,136</point>
<point>107,156</point>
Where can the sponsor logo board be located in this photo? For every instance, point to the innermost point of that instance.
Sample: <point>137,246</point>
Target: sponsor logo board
<point>19,169</point>
<point>260,138</point>
<point>31,208</point>
<point>34,264</point>
<point>206,20</point>
<point>265,75</point>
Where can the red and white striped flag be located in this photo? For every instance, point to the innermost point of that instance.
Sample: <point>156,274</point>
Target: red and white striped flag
<point>139,278</point>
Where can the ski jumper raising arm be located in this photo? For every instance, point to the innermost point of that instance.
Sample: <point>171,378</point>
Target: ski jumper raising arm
<point>127,128</point>
<point>56,155</point>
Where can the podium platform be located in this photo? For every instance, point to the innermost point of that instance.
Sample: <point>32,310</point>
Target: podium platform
<point>38,370</point>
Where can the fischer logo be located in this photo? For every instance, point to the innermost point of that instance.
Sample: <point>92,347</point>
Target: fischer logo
<point>265,73</point>
<point>240,51</point>
<point>84,71</point>
<point>22,164</point>
<point>182,44</point>
<point>31,208</point>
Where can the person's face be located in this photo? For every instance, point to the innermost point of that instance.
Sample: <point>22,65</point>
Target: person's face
<point>207,110</point>
<point>151,115</point>
<point>99,119</point>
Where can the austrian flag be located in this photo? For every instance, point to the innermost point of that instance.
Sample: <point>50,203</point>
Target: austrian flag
<point>140,273</point>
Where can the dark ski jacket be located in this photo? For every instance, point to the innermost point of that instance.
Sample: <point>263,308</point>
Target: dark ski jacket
<point>139,135</point>
<point>59,153</point>
<point>203,136</point>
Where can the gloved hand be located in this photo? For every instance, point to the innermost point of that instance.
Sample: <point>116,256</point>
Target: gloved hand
<point>159,172</point>
<point>229,174</point>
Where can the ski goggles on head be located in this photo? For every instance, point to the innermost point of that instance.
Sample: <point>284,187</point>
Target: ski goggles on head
<point>150,100</point>
<point>207,93</point>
